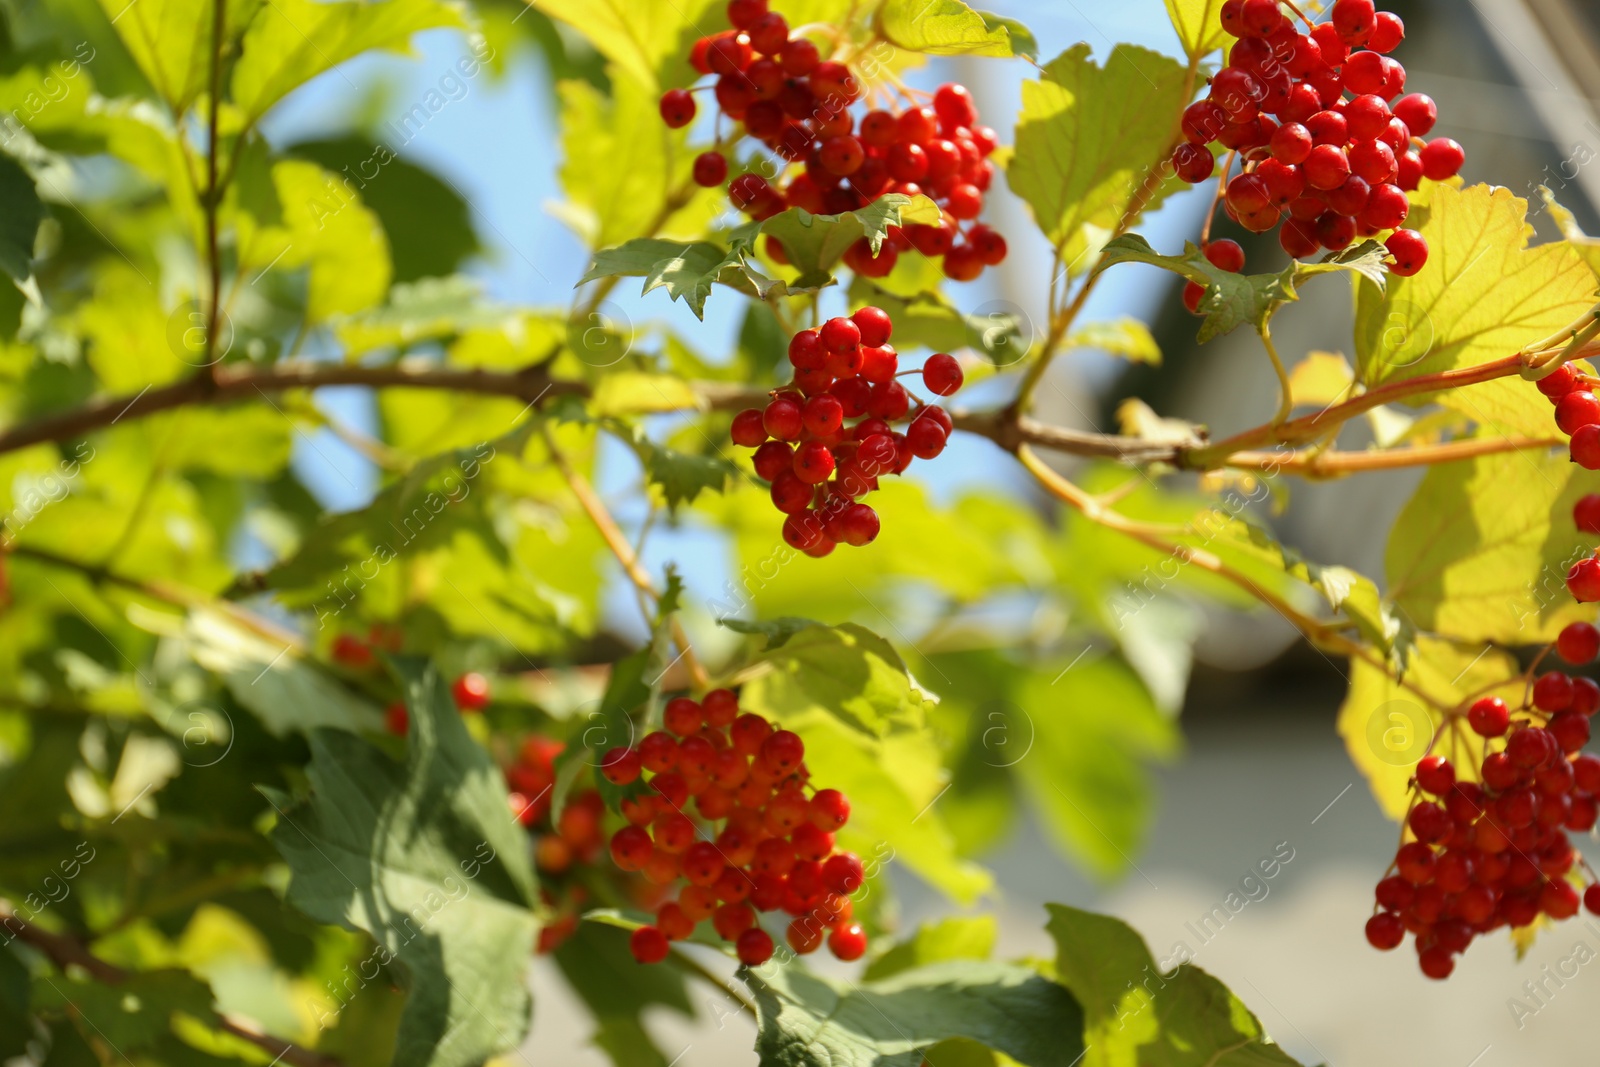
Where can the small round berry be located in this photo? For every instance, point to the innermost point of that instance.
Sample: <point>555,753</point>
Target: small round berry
<point>848,941</point>
<point>843,873</point>
<point>1327,167</point>
<point>1225,255</point>
<point>1418,112</point>
<point>754,947</point>
<point>1385,931</point>
<point>773,459</point>
<point>1552,692</point>
<point>858,525</point>
<point>710,169</point>
<point>784,751</point>
<point>1442,158</point>
<point>649,945</point>
<point>682,716</point>
<point>829,810</point>
<point>1585,447</point>
<point>1410,251</point>
<point>813,463</point>
<point>1435,775</point>
<point>1586,514</point>
<point>840,336</point>
<point>631,848</point>
<point>1578,643</point>
<point>1578,408</point>
<point>749,428</point>
<point>942,374</point>
<point>471,691</point>
<point>954,106</point>
<point>1388,33</point>
<point>805,934</point>
<point>677,108</point>
<point>873,326</point>
<point>1193,163</point>
<point>620,766</point>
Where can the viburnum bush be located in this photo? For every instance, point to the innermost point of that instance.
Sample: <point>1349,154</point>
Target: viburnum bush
<point>311,762</point>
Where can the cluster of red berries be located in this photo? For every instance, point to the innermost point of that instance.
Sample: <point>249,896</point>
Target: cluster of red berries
<point>1577,412</point>
<point>775,848</point>
<point>1495,852</point>
<point>819,467</point>
<point>1334,168</point>
<point>790,99</point>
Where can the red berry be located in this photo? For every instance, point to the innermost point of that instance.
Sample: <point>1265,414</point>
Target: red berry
<point>749,429</point>
<point>649,945</point>
<point>1436,963</point>
<point>858,525</point>
<point>754,947</point>
<point>873,326</point>
<point>769,34</point>
<point>1435,775</point>
<point>1578,408</point>
<point>942,374</point>
<point>631,848</point>
<point>1583,580</point>
<point>829,810</point>
<point>954,106</point>
<point>677,108</point>
<point>1327,167</point>
<point>1418,112</point>
<point>1415,862</point>
<point>805,934</point>
<point>1388,33</point>
<point>773,459</point>
<point>1578,643</point>
<point>1586,514</point>
<point>471,691</point>
<point>1442,158</point>
<point>710,169</point>
<point>813,462</point>
<point>783,751</point>
<point>1552,692</point>
<point>1193,163</point>
<point>848,941</point>
<point>682,716</point>
<point>621,766</point>
<point>1410,251</point>
<point>1385,931</point>
<point>1225,255</point>
<point>1584,447</point>
<point>842,873</point>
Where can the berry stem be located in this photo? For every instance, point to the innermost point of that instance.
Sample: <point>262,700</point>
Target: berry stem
<point>1285,394</point>
<point>620,547</point>
<point>1216,201</point>
<point>689,965</point>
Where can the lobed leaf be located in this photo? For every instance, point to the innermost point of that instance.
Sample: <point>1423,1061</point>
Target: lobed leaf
<point>950,27</point>
<point>809,1021</point>
<point>427,860</point>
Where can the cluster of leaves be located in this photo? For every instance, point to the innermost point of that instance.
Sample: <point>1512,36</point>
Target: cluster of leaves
<point>197,793</point>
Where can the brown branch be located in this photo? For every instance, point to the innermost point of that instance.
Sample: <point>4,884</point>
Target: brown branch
<point>65,952</point>
<point>1312,464</point>
<point>531,384</point>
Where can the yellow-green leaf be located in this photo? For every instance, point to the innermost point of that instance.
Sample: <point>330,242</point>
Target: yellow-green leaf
<point>336,236</point>
<point>1089,139</point>
<point>1128,338</point>
<point>292,41</point>
<point>1481,551</point>
<point>1387,725</point>
<point>1199,25</point>
<point>620,162</point>
<point>650,39</point>
<point>170,40</point>
<point>1320,379</point>
<point>1483,296</point>
<point>950,27</point>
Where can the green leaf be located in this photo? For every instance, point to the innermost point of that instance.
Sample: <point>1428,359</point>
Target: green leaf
<point>292,41</point>
<point>15,1016</point>
<point>270,678</point>
<point>20,221</point>
<point>955,938</point>
<point>617,991</point>
<point>609,726</point>
<point>950,27</point>
<point>648,39</point>
<point>681,476</point>
<point>132,1015</point>
<point>426,310</point>
<point>1234,300</point>
<point>621,163</point>
<point>1481,551</point>
<point>1085,769</point>
<point>686,271</point>
<point>1483,295</point>
<point>427,860</point>
<point>1134,1013</point>
<point>930,320</point>
<point>1388,725</point>
<point>809,1021</point>
<point>625,392</point>
<point>1128,338</point>
<point>1089,139</point>
<point>1199,26</point>
<point>776,631</point>
<point>334,234</point>
<point>427,223</point>
<point>814,244</point>
<point>170,40</point>
<point>848,670</point>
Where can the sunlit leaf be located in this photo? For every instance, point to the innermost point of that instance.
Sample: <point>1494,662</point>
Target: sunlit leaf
<point>950,27</point>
